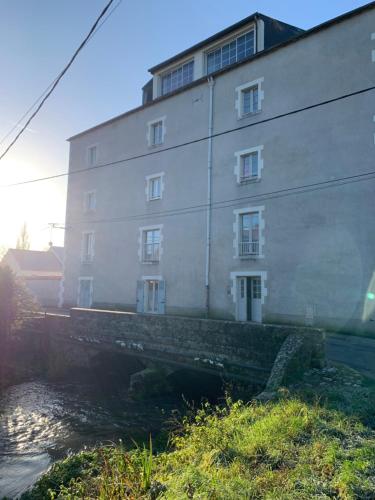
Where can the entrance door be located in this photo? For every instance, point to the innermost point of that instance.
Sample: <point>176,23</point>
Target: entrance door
<point>249,299</point>
<point>152,296</point>
<point>242,299</point>
<point>85,293</point>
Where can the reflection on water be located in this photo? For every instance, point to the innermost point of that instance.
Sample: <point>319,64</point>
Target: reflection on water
<point>41,422</point>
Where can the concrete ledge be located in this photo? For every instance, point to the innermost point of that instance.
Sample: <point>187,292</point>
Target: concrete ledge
<point>237,350</point>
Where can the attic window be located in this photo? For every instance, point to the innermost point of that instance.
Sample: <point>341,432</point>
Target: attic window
<point>156,132</point>
<point>231,52</point>
<point>92,155</point>
<point>177,78</point>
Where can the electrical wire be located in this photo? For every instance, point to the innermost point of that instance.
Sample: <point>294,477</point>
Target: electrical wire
<point>222,203</point>
<point>57,80</point>
<point>50,85</point>
<point>280,193</point>
<point>195,141</point>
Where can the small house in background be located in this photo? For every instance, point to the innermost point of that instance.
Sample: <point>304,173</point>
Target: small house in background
<point>41,271</point>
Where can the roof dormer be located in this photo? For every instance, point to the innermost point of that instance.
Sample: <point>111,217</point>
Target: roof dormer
<point>228,47</point>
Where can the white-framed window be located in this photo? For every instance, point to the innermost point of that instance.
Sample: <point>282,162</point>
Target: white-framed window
<point>151,295</point>
<point>250,100</point>
<point>249,166</point>
<point>151,245</point>
<point>249,232</point>
<point>85,292</point>
<point>88,240</point>
<point>249,163</point>
<point>150,239</point>
<point>92,155</point>
<point>89,201</point>
<point>231,52</point>
<point>248,243</point>
<point>177,78</point>
<point>155,186</point>
<point>249,97</point>
<point>156,132</point>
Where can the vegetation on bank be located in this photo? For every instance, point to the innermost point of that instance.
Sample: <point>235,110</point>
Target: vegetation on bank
<point>16,304</point>
<point>299,446</point>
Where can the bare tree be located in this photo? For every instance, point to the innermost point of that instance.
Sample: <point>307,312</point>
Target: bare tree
<point>23,240</point>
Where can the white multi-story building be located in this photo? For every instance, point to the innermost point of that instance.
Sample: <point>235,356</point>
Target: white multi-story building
<point>239,188</point>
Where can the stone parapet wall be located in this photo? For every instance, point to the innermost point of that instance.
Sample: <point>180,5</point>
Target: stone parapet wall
<point>234,349</point>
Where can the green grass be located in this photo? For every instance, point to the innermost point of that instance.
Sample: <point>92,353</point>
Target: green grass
<point>309,443</point>
<point>283,450</point>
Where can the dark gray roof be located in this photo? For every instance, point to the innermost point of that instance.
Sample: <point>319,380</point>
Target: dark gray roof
<point>35,260</point>
<point>219,35</point>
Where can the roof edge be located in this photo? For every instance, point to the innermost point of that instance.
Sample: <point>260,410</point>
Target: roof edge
<point>204,42</point>
<point>304,34</point>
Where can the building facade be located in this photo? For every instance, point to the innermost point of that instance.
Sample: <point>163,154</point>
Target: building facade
<point>238,190</point>
<point>41,271</point>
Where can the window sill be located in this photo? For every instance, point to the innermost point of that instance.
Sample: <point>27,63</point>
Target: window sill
<point>150,261</point>
<point>87,261</point>
<point>155,199</point>
<point>243,116</point>
<point>249,257</point>
<point>249,180</point>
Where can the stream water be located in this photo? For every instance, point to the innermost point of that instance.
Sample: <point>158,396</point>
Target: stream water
<point>41,422</point>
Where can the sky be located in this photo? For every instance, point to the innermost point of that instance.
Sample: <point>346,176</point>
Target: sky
<point>38,37</point>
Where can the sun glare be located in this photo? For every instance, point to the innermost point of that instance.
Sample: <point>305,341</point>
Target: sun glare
<point>37,204</point>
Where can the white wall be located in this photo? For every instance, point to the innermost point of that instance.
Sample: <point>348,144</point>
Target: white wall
<point>318,250</point>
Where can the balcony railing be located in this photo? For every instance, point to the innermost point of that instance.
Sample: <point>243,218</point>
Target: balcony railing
<point>248,178</point>
<point>151,252</point>
<point>248,248</point>
<point>87,258</point>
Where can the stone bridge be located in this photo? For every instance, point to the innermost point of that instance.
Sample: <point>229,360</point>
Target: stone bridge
<point>254,353</point>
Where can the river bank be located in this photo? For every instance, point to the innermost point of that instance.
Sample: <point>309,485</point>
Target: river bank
<point>41,422</point>
<point>315,440</point>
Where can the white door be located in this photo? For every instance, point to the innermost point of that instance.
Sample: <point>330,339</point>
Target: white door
<point>241,299</point>
<point>85,293</point>
<point>152,296</point>
<point>256,299</point>
<point>249,299</point>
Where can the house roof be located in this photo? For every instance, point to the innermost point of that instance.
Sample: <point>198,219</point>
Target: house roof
<point>58,251</point>
<point>213,38</point>
<point>263,53</point>
<point>35,260</point>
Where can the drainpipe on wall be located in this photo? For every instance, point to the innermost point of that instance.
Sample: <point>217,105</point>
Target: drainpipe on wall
<point>211,84</point>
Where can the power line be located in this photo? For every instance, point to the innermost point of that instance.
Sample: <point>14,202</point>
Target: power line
<point>26,112</point>
<point>50,85</point>
<point>280,193</point>
<point>195,141</point>
<point>56,82</point>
